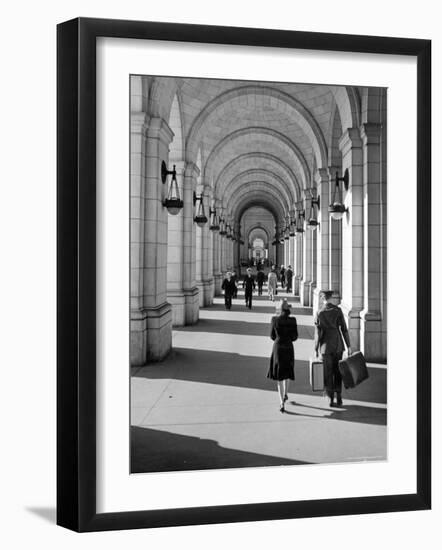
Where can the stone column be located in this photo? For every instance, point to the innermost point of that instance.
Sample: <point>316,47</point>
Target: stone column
<point>322,237</point>
<point>352,235</point>
<point>292,261</point>
<point>175,259</point>
<point>190,289</point>
<point>372,330</point>
<point>299,251</point>
<point>335,244</point>
<point>207,257</point>
<point>306,282</point>
<point>151,316</point>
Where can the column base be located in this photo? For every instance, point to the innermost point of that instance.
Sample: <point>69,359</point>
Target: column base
<point>296,285</point>
<point>218,278</point>
<point>373,337</point>
<point>192,308</point>
<point>178,303</point>
<point>209,292</point>
<point>205,289</point>
<point>150,334</point>
<point>305,293</point>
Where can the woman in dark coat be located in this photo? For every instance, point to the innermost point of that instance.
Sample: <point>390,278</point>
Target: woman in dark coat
<point>284,332</point>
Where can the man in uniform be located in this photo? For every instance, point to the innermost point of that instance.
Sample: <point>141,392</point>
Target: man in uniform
<point>249,285</point>
<point>330,331</point>
<point>229,288</point>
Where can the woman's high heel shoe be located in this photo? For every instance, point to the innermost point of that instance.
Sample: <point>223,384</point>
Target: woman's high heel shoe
<point>285,397</point>
<point>281,408</point>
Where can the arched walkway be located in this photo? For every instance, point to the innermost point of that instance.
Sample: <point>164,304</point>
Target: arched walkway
<point>210,405</point>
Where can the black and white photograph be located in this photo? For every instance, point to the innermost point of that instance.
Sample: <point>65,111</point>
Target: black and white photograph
<point>258,274</point>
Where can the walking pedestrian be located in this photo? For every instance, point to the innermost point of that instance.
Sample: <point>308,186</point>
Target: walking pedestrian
<point>289,278</point>
<point>284,331</point>
<point>260,278</point>
<point>282,276</point>
<point>272,283</point>
<point>249,285</point>
<point>235,280</point>
<point>330,331</point>
<point>229,287</point>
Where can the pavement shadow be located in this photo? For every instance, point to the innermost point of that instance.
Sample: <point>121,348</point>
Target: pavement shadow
<point>225,326</point>
<point>348,413</point>
<point>243,371</point>
<point>160,451</point>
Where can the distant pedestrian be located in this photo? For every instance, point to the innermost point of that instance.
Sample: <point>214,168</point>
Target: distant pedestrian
<point>229,288</point>
<point>283,332</point>
<point>272,283</point>
<point>330,330</point>
<point>235,280</point>
<point>249,285</point>
<point>282,276</point>
<point>289,278</point>
<point>260,278</point>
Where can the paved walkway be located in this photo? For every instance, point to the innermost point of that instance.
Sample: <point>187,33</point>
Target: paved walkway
<point>210,405</point>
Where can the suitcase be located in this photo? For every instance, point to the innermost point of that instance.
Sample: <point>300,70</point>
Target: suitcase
<point>353,370</point>
<point>316,374</point>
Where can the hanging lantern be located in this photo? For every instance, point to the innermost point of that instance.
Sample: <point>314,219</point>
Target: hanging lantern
<point>292,227</point>
<point>222,226</point>
<point>214,224</point>
<point>200,219</point>
<point>300,221</point>
<point>337,208</point>
<point>173,202</point>
<point>312,222</point>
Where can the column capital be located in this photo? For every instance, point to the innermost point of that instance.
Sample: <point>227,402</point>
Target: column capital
<point>191,170</point>
<point>322,176</point>
<point>138,122</point>
<point>159,129</point>
<point>371,133</point>
<point>350,139</point>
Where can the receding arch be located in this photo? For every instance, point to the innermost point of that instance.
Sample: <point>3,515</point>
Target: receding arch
<point>255,157</point>
<point>282,101</point>
<point>280,139</point>
<point>258,176</point>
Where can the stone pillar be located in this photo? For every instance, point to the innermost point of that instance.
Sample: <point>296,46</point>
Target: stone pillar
<point>292,261</point>
<point>151,316</point>
<point>307,263</point>
<point>334,244</point>
<point>314,264</point>
<point>175,259</point>
<point>372,330</point>
<point>190,289</point>
<point>322,237</point>
<point>352,235</point>
<point>216,238</point>
<point>299,252</point>
<point>207,262</point>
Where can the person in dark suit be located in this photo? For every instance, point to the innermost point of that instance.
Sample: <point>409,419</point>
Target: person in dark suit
<point>330,334</point>
<point>284,331</point>
<point>282,276</point>
<point>235,279</point>
<point>260,277</point>
<point>229,288</point>
<point>289,278</point>
<point>249,285</point>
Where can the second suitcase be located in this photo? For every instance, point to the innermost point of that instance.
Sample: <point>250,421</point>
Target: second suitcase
<point>316,374</point>
<point>353,370</point>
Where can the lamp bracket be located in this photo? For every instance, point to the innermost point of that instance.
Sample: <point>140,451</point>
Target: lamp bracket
<point>165,172</point>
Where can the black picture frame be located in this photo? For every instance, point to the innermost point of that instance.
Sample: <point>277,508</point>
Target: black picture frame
<point>76,273</point>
